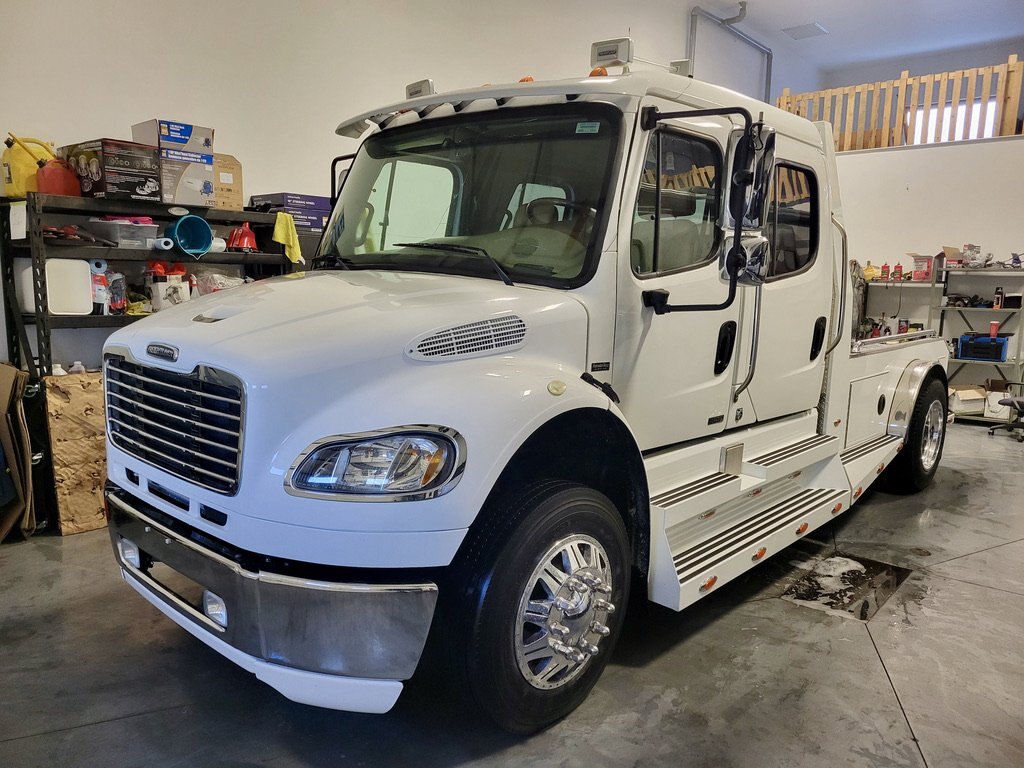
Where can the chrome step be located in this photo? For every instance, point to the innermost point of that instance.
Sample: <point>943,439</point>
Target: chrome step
<point>692,489</point>
<point>795,456</point>
<point>754,529</point>
<point>850,455</point>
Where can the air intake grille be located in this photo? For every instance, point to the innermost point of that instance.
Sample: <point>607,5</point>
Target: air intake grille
<point>472,339</point>
<point>187,424</point>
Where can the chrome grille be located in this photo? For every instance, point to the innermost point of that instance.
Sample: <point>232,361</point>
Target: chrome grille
<point>486,336</point>
<point>187,424</point>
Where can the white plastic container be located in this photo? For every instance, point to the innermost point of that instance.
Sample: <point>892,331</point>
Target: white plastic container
<point>68,286</point>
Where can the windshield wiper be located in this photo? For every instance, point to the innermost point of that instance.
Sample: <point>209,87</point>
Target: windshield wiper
<point>468,249</point>
<point>330,261</point>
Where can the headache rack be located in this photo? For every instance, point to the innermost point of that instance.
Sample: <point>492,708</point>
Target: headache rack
<point>187,424</point>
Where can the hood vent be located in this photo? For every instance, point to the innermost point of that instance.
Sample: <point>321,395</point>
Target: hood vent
<point>499,334</point>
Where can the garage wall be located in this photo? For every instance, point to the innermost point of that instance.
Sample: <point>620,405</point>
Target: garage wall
<point>918,199</point>
<point>925,64</point>
<point>275,79</point>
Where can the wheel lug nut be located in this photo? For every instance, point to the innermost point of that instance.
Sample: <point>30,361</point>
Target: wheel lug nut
<point>559,630</point>
<point>604,605</point>
<point>598,628</point>
<point>578,656</point>
<point>586,647</point>
<point>577,584</point>
<point>562,648</point>
<point>562,603</point>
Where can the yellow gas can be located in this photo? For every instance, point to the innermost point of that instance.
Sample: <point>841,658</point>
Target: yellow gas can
<point>20,163</point>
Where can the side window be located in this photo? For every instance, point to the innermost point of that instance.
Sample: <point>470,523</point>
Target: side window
<point>792,224</point>
<point>525,193</point>
<point>409,202</point>
<point>683,213</point>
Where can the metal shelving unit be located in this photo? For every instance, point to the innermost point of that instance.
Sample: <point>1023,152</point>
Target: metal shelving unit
<point>1012,368</point>
<point>55,209</point>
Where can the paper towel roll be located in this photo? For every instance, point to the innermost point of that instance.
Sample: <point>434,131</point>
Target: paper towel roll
<point>163,244</point>
<point>219,245</point>
<point>98,266</point>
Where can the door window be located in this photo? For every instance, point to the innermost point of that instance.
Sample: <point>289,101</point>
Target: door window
<point>792,220</point>
<point>675,222</point>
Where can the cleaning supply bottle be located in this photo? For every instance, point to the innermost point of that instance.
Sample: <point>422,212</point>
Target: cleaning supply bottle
<point>77,367</point>
<point>870,271</point>
<point>885,271</point>
<point>997,300</point>
<point>897,271</point>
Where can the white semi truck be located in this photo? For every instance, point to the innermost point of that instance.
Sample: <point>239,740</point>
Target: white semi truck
<point>562,342</point>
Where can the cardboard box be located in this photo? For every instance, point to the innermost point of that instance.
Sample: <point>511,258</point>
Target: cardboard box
<point>993,409</point>
<point>74,409</point>
<point>115,170</point>
<point>291,201</point>
<point>187,177</point>
<point>171,134</point>
<point>967,399</point>
<point>227,182</point>
<point>309,220</point>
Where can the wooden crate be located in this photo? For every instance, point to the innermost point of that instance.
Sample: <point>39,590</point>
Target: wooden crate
<point>74,409</point>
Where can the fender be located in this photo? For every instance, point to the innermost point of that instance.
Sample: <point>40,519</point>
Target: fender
<point>905,395</point>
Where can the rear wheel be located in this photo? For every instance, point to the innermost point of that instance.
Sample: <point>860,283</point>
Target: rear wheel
<point>542,599</point>
<point>913,469</point>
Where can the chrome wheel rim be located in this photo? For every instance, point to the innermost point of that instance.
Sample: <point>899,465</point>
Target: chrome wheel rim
<point>563,612</point>
<point>931,438</point>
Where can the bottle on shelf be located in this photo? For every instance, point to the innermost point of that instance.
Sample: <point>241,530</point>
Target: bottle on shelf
<point>885,271</point>
<point>870,271</point>
<point>997,300</point>
<point>58,370</point>
<point>77,367</point>
<point>897,271</point>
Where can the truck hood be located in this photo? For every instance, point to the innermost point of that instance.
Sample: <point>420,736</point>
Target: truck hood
<point>317,321</point>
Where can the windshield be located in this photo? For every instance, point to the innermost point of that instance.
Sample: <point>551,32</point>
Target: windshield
<point>526,188</point>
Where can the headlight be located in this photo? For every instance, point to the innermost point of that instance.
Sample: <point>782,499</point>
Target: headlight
<point>382,466</point>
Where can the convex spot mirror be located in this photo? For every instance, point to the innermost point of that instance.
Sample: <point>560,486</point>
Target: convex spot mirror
<point>753,162</point>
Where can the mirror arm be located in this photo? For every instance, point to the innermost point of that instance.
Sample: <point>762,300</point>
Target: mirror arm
<point>735,260</point>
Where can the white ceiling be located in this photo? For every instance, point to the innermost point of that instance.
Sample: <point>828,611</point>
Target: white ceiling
<point>869,30</point>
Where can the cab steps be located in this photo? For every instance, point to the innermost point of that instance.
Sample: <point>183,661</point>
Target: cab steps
<point>789,458</point>
<point>865,462</point>
<point>693,556</point>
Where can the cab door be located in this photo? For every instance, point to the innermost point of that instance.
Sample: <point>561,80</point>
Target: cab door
<point>796,298</point>
<point>674,372</point>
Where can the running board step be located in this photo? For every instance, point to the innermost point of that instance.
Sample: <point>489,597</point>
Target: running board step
<point>697,568</point>
<point>789,458</point>
<point>709,491</point>
<point>850,455</point>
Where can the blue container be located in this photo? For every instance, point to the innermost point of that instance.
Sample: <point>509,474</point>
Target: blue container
<point>191,235</point>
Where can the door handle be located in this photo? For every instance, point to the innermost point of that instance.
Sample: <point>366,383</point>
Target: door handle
<point>818,337</point>
<point>726,343</point>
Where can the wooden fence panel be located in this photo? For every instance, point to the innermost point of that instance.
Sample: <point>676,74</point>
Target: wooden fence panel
<point>901,111</point>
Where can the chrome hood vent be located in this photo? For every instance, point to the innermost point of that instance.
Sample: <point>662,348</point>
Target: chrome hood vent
<point>485,337</point>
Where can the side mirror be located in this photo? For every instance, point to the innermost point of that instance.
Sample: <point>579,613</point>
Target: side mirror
<point>338,177</point>
<point>754,162</point>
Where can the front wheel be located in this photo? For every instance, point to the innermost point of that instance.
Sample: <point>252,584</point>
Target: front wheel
<point>543,594</point>
<point>913,469</point>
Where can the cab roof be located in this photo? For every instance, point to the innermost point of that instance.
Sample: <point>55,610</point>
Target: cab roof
<point>625,90</point>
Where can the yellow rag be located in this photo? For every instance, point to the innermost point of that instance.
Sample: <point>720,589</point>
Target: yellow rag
<point>284,233</point>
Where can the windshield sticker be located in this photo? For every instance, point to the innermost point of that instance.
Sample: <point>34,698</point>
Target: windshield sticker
<point>588,127</point>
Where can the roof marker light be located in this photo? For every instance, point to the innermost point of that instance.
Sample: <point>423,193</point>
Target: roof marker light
<point>599,72</point>
<point>526,79</point>
<point>420,88</point>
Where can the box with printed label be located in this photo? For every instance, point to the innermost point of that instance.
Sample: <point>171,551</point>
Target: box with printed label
<point>227,182</point>
<point>309,221</point>
<point>187,177</point>
<point>290,201</point>
<point>171,134</point>
<point>115,170</point>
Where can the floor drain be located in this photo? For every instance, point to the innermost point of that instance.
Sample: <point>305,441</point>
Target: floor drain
<point>851,587</point>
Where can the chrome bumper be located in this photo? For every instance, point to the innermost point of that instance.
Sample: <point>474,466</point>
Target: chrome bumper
<point>357,630</point>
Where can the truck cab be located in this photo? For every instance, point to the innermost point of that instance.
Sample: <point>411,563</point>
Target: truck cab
<point>561,342</point>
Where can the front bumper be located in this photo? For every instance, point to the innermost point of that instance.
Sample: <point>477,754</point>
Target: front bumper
<point>333,644</point>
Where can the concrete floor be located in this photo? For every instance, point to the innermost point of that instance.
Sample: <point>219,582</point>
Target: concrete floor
<point>90,675</point>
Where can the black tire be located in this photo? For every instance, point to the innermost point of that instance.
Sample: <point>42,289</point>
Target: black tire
<point>910,472</point>
<point>481,611</point>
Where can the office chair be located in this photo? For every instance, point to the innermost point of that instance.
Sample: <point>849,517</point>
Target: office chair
<point>1017,405</point>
